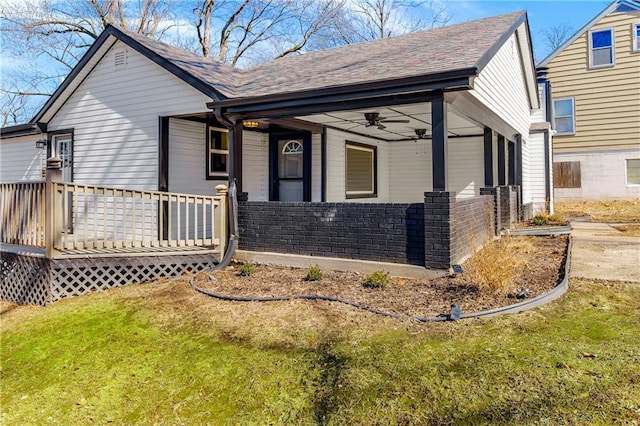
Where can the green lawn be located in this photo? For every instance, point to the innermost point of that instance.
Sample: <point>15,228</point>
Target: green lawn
<point>159,354</point>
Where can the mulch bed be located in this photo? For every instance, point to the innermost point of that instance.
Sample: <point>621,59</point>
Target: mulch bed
<point>414,297</point>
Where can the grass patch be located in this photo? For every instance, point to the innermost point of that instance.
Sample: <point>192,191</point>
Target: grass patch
<point>600,211</point>
<point>156,354</point>
<point>632,230</point>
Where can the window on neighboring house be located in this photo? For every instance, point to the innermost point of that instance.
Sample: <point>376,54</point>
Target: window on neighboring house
<point>601,53</point>
<point>636,37</point>
<point>633,171</point>
<point>566,174</point>
<point>564,116</point>
<point>217,157</point>
<point>360,170</point>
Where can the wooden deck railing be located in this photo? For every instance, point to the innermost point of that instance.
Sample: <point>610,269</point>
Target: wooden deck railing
<point>23,214</point>
<point>61,216</point>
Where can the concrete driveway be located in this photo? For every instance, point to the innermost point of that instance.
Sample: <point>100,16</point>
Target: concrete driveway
<point>602,252</point>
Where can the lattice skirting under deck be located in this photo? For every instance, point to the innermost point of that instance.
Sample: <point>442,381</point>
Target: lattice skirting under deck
<point>36,280</point>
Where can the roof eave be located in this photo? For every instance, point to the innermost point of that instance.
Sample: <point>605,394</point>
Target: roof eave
<point>110,30</point>
<point>459,79</point>
<point>20,130</point>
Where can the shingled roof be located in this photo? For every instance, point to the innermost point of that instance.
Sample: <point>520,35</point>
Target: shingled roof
<point>455,47</point>
<point>440,50</point>
<point>462,47</point>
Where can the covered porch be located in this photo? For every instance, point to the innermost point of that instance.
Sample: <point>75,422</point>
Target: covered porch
<point>421,178</point>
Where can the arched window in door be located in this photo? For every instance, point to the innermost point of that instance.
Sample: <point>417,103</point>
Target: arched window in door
<point>291,164</point>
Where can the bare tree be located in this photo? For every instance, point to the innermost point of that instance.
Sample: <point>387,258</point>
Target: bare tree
<point>282,27</point>
<point>375,19</point>
<point>46,39</point>
<point>555,35</point>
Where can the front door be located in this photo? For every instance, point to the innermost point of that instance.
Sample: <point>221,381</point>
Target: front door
<point>290,168</point>
<point>62,147</point>
<point>290,164</point>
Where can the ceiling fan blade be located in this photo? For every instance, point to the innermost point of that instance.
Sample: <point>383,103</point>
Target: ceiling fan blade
<point>394,121</point>
<point>381,126</point>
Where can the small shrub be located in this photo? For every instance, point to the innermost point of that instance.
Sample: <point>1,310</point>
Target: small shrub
<point>247,269</point>
<point>314,273</point>
<point>496,265</point>
<point>379,279</point>
<point>540,220</point>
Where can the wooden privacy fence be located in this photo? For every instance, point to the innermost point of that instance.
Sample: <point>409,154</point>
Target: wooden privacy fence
<point>61,216</point>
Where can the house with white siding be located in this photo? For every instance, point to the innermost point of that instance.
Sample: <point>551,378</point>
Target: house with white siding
<point>413,150</point>
<point>595,82</point>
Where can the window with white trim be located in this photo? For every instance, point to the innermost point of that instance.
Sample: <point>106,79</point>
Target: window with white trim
<point>217,154</point>
<point>633,171</point>
<point>635,28</point>
<point>601,48</point>
<point>564,117</point>
<point>360,170</point>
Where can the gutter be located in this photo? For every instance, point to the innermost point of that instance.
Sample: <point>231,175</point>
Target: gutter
<point>460,79</point>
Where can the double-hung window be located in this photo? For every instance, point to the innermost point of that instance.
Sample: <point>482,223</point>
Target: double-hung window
<point>564,116</point>
<point>217,154</point>
<point>360,170</point>
<point>635,28</point>
<point>601,48</point>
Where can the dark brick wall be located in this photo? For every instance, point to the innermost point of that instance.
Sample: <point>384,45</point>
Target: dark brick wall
<point>379,232</point>
<point>454,228</point>
<point>437,229</point>
<point>493,193</point>
<point>472,225</point>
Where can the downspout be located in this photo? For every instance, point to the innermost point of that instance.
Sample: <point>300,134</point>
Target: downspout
<point>232,245</point>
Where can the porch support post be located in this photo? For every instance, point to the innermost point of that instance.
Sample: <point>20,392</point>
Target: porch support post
<point>501,161</point>
<point>53,207</point>
<point>517,175</point>
<point>236,161</point>
<point>511,149</point>
<point>488,157</point>
<point>439,143</point>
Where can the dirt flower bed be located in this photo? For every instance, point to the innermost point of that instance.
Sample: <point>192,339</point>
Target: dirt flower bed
<point>531,263</point>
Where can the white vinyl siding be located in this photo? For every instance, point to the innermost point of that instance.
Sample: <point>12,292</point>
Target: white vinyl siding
<point>115,117</point>
<point>255,165</point>
<point>501,86</point>
<point>20,160</point>
<point>534,181</point>
<point>410,174</point>
<point>465,174</point>
<point>601,48</point>
<point>186,159</point>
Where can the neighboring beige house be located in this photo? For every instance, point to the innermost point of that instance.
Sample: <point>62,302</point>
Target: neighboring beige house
<point>595,80</point>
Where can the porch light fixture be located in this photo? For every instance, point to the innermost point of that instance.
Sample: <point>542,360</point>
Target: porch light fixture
<point>250,124</point>
<point>41,144</point>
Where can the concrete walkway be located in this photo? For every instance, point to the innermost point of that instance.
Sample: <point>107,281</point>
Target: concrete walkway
<point>602,252</point>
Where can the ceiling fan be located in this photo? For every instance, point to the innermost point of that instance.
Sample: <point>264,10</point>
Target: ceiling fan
<point>374,119</point>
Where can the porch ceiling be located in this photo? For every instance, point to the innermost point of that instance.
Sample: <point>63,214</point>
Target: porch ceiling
<point>419,116</point>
